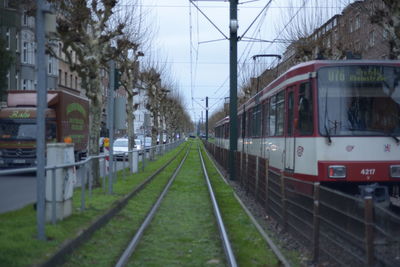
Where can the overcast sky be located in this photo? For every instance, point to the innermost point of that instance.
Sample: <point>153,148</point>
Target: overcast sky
<point>201,67</point>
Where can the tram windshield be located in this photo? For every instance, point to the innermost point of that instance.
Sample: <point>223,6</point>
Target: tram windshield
<point>359,100</point>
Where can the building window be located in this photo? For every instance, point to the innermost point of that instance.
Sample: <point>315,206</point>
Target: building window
<point>371,38</point>
<point>8,39</point>
<point>66,79</point>
<point>59,50</point>
<point>385,34</point>
<point>357,22</point>
<point>351,26</point>
<point>17,41</point>
<point>76,82</point>
<point>50,65</point>
<point>59,76</point>
<point>8,81</point>
<point>70,80</point>
<point>17,80</point>
<point>25,52</point>
<point>24,19</point>
<point>23,84</point>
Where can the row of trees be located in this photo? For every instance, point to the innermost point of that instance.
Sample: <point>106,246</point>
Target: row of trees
<point>97,31</point>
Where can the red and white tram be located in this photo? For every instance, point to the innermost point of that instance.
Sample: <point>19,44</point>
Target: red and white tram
<point>330,121</point>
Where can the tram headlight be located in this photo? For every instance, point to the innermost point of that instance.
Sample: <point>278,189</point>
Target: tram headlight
<point>395,171</point>
<point>337,171</point>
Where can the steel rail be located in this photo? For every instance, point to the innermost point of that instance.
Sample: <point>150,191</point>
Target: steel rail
<point>224,236</point>
<point>269,241</point>
<point>123,260</point>
<point>69,246</point>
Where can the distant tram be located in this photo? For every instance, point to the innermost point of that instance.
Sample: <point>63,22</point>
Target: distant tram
<point>337,122</point>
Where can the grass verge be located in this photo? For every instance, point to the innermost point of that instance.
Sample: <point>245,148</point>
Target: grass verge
<point>18,243</point>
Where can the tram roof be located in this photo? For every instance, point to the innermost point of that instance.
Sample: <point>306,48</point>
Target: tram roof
<point>304,69</point>
<point>222,121</point>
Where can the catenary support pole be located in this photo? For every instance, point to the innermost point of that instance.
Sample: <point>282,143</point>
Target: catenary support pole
<point>233,40</point>
<point>40,120</point>
<point>207,118</point>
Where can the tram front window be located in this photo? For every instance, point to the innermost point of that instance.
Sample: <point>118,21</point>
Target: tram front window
<point>359,100</point>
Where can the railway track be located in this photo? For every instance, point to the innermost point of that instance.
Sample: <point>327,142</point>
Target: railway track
<point>230,257</point>
<point>182,225</point>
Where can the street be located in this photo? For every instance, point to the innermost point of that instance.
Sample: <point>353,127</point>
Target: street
<point>19,190</point>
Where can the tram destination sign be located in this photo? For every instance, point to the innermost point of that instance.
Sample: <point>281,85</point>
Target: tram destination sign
<point>351,74</point>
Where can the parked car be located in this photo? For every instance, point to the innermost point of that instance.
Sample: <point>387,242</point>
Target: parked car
<point>138,144</point>
<point>147,143</point>
<point>120,146</point>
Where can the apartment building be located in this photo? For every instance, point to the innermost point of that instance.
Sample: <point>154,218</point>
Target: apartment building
<point>350,34</point>
<point>18,29</point>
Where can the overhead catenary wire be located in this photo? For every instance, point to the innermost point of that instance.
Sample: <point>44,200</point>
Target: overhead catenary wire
<point>191,57</point>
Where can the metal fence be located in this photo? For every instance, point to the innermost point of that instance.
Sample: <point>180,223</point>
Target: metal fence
<point>339,229</point>
<point>85,175</point>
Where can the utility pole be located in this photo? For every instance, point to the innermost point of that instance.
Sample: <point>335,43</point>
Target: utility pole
<point>233,40</point>
<point>110,120</point>
<point>206,118</point>
<point>40,120</point>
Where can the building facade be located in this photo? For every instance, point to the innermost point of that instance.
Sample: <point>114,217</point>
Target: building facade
<point>350,34</point>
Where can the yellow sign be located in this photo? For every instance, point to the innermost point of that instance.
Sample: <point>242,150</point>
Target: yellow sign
<point>106,142</point>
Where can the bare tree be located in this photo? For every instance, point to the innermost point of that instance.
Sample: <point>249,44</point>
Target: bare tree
<point>177,119</point>
<point>85,30</point>
<point>151,80</point>
<point>133,40</point>
<point>387,15</point>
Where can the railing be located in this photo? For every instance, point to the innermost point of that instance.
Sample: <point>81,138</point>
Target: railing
<point>85,175</point>
<point>343,229</point>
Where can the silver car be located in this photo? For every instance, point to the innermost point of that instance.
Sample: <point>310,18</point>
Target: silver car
<point>120,148</point>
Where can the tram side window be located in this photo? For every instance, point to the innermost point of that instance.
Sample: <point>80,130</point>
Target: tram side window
<point>280,113</point>
<point>248,125</point>
<point>305,105</point>
<point>243,130</point>
<point>272,116</point>
<point>265,119</point>
<point>256,124</point>
<point>290,109</point>
<point>239,125</point>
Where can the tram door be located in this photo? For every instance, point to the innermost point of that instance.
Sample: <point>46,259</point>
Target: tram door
<point>289,136</point>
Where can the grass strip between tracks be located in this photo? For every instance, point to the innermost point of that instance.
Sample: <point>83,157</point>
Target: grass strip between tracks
<point>183,232</point>
<point>107,244</point>
<point>18,243</point>
<point>248,245</point>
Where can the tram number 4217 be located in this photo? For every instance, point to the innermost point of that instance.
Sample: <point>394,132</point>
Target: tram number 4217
<point>368,171</point>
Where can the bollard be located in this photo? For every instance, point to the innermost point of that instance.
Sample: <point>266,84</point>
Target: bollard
<point>135,161</point>
<point>90,181</point>
<point>53,187</point>
<point>124,166</point>
<point>104,174</point>
<point>83,189</point>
